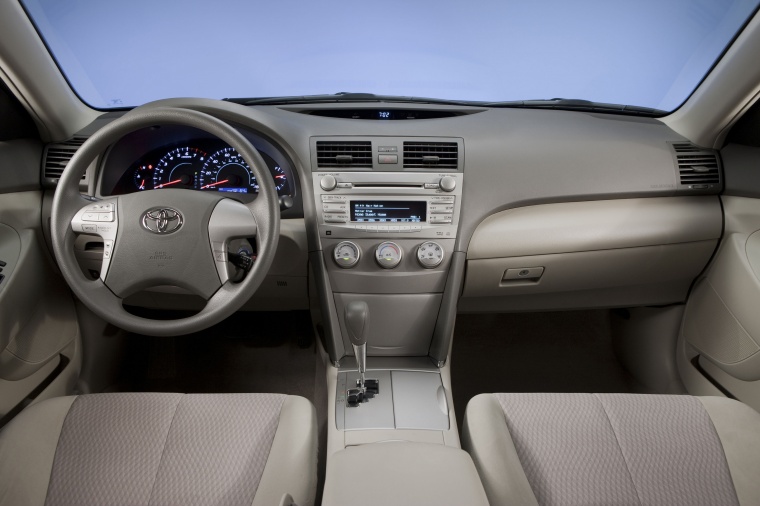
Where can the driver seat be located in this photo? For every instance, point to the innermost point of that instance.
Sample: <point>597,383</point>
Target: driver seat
<point>161,448</point>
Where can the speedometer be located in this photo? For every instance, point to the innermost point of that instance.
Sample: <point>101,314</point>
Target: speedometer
<point>227,171</point>
<point>178,168</point>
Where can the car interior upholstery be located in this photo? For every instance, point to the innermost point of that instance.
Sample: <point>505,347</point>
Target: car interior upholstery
<point>299,298</point>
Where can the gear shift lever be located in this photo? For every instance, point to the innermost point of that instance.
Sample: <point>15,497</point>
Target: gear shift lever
<point>357,323</point>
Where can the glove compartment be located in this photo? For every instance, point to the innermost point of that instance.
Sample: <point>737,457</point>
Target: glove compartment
<point>607,253</point>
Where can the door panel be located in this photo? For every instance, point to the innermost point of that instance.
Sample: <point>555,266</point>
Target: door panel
<point>719,344</point>
<point>39,333</point>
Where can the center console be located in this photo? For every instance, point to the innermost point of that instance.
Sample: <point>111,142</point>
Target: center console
<point>387,232</point>
<point>387,214</point>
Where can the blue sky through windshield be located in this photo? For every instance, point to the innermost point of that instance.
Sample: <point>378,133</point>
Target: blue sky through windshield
<point>650,53</point>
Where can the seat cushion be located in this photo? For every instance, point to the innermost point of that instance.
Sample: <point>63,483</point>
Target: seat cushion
<point>157,448</point>
<point>613,449</point>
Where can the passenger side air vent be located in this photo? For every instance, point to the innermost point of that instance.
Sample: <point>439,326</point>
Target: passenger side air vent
<point>431,155</point>
<point>698,168</point>
<point>56,157</point>
<point>346,154</point>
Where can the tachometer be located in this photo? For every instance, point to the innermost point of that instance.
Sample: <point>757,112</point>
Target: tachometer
<point>227,171</point>
<point>179,168</point>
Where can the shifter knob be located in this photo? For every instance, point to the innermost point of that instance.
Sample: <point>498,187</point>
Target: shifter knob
<point>357,322</point>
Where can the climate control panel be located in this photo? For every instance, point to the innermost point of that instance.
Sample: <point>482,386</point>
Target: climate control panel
<point>388,254</point>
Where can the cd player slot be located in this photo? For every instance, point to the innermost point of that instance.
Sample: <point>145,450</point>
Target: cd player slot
<point>387,185</point>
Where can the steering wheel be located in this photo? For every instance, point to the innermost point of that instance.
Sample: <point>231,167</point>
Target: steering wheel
<point>164,237</point>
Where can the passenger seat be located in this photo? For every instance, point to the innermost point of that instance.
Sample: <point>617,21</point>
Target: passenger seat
<point>614,449</point>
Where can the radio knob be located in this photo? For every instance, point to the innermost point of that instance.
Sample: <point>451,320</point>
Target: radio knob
<point>447,183</point>
<point>328,183</point>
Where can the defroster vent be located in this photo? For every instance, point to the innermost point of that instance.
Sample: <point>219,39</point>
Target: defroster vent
<point>431,155</point>
<point>347,154</point>
<point>698,168</point>
<point>56,158</point>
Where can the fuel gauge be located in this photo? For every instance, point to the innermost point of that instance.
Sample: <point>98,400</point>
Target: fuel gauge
<point>144,177</point>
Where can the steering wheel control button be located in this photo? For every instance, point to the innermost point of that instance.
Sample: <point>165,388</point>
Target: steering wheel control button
<point>162,220</point>
<point>388,255</point>
<point>523,274</point>
<point>447,183</point>
<point>328,183</point>
<point>430,254</point>
<point>107,249</point>
<point>100,208</point>
<point>90,229</point>
<point>346,254</point>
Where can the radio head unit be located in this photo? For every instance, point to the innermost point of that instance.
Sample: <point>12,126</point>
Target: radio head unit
<point>387,204</point>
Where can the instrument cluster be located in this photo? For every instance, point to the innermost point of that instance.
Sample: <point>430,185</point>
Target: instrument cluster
<point>203,165</point>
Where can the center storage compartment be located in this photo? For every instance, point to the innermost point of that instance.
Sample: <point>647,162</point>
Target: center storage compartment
<point>402,473</point>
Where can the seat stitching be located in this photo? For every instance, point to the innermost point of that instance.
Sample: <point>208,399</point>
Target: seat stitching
<point>163,449</point>
<point>57,445</point>
<point>722,450</point>
<point>279,419</point>
<point>622,453</point>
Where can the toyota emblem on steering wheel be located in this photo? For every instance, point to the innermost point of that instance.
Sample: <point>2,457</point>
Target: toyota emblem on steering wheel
<point>162,220</point>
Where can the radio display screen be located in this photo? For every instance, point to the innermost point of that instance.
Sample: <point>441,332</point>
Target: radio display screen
<point>389,211</point>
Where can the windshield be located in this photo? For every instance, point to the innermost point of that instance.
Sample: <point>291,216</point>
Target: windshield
<point>647,53</point>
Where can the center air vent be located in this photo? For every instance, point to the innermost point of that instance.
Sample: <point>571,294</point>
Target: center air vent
<point>56,158</point>
<point>698,168</point>
<point>355,154</point>
<point>431,155</point>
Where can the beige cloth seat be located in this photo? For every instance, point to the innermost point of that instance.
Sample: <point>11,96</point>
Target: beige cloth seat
<point>614,449</point>
<point>161,448</point>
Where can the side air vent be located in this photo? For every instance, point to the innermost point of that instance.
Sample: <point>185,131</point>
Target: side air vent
<point>56,158</point>
<point>348,154</point>
<point>431,155</point>
<point>698,168</point>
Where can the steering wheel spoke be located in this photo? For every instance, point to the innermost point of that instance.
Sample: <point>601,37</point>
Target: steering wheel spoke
<point>229,220</point>
<point>99,218</point>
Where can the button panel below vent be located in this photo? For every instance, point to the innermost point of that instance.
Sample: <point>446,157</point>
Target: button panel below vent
<point>431,155</point>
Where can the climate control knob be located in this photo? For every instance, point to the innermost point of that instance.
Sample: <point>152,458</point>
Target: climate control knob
<point>346,254</point>
<point>328,183</point>
<point>388,255</point>
<point>430,254</point>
